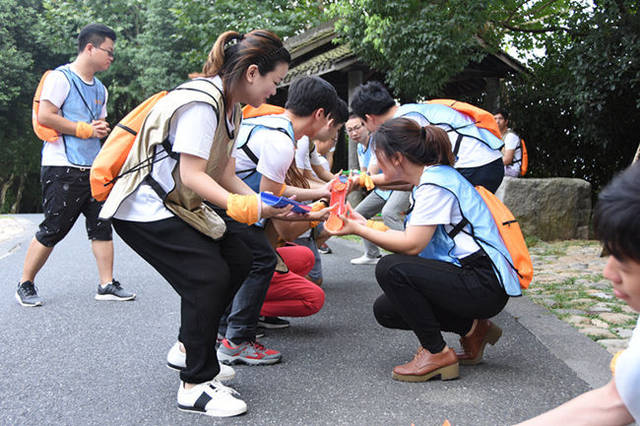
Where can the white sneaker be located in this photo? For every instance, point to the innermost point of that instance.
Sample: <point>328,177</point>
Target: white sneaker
<point>365,260</point>
<point>210,398</point>
<point>177,360</point>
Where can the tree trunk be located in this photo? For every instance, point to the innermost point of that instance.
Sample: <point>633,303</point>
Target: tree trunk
<point>16,206</point>
<point>5,188</point>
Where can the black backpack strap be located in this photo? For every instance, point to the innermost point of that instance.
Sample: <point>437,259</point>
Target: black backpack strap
<point>127,129</point>
<point>456,147</point>
<point>248,151</point>
<point>156,187</point>
<point>456,229</point>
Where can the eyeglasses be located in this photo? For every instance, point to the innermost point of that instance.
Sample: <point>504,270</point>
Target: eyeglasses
<point>353,129</point>
<point>109,52</point>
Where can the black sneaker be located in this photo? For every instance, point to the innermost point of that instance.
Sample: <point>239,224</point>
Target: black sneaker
<point>113,291</point>
<point>325,249</point>
<point>272,322</point>
<point>27,294</point>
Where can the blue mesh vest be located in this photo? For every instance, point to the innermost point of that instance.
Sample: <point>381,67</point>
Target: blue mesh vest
<point>481,227</point>
<point>249,126</point>
<point>462,124</point>
<point>83,103</point>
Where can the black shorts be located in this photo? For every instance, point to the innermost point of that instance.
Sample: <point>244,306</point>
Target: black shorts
<point>65,194</point>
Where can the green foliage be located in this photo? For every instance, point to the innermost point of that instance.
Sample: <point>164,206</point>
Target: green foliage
<point>391,35</point>
<point>579,106</point>
<point>422,45</point>
<point>159,42</point>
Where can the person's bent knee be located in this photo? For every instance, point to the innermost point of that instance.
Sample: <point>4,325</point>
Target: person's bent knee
<point>100,231</point>
<point>386,315</point>
<point>49,239</point>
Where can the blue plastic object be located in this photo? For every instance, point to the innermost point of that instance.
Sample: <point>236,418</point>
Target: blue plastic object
<point>279,202</point>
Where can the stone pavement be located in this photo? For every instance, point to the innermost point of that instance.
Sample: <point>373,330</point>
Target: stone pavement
<point>568,281</point>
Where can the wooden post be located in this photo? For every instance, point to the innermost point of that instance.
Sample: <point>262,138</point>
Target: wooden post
<point>355,79</point>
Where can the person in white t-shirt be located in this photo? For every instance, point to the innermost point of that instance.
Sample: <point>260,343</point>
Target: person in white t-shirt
<point>194,234</point>
<point>438,279</point>
<point>264,158</point>
<point>512,157</point>
<point>73,102</point>
<point>616,224</point>
<point>311,161</point>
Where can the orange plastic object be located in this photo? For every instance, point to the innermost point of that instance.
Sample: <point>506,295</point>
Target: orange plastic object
<point>338,197</point>
<point>484,119</point>
<point>264,109</point>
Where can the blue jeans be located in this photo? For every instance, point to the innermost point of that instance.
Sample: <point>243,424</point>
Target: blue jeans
<point>239,322</point>
<point>316,271</point>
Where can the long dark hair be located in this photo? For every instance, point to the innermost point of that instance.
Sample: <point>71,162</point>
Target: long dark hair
<point>233,53</point>
<point>426,145</point>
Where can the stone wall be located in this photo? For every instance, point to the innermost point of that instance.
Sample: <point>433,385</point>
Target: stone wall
<point>550,209</point>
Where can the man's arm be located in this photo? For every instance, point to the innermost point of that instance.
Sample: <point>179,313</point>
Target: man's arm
<point>322,173</point>
<point>507,157</point>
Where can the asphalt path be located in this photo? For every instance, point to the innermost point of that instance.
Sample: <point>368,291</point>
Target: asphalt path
<point>79,361</point>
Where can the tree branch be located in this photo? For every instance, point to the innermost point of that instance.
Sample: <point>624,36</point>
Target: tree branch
<point>552,28</point>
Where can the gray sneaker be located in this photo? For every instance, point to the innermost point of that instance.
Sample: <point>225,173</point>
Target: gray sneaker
<point>27,294</point>
<point>113,291</point>
<point>250,353</point>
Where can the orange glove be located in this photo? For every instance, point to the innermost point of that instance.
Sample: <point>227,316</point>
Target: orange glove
<point>317,206</point>
<point>243,208</point>
<point>377,225</point>
<point>366,181</point>
<point>84,130</point>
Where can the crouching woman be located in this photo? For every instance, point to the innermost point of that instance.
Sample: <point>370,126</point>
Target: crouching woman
<point>451,270</point>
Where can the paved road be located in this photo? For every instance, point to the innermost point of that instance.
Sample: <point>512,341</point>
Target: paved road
<point>79,361</point>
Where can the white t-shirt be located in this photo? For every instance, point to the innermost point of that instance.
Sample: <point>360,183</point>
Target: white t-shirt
<point>55,90</point>
<point>275,151</point>
<point>434,205</point>
<point>306,159</point>
<point>472,153</point>
<point>191,131</point>
<point>627,375</point>
<point>511,141</point>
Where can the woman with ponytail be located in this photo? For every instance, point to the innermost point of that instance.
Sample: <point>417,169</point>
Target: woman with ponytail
<point>448,272</point>
<point>186,213</point>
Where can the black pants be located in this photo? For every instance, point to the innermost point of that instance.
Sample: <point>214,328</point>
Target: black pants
<point>205,273</point>
<point>490,175</point>
<point>429,296</point>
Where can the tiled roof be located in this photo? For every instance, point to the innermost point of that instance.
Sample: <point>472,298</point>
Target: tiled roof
<point>331,60</point>
<point>308,40</point>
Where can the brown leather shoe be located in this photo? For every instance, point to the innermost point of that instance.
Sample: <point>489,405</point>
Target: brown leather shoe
<point>426,365</point>
<point>473,346</point>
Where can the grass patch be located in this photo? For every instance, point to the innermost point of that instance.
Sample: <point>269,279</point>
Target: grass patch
<point>350,237</point>
<point>531,240</point>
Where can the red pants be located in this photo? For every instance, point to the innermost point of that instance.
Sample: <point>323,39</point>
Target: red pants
<point>289,294</point>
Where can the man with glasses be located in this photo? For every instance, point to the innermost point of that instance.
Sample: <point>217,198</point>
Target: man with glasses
<point>73,102</point>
